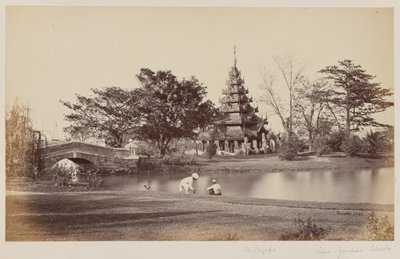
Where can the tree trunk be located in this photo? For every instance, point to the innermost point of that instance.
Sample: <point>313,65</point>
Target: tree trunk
<point>195,144</point>
<point>290,114</point>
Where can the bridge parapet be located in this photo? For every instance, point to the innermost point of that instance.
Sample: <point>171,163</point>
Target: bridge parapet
<point>87,148</point>
<point>102,157</point>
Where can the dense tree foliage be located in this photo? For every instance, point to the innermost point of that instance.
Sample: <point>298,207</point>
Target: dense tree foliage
<point>20,149</point>
<point>172,108</point>
<point>355,95</point>
<point>111,114</point>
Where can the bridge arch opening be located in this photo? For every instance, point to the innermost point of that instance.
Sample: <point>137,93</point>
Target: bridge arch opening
<point>73,170</point>
<point>81,161</point>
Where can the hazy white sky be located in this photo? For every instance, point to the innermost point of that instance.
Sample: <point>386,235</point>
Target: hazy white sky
<point>52,53</point>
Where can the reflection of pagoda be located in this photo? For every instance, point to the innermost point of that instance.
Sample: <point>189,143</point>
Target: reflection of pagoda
<point>240,118</point>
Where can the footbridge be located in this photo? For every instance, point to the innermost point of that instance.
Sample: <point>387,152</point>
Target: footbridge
<point>83,153</point>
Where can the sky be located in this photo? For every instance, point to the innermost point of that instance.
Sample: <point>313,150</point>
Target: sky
<point>53,53</point>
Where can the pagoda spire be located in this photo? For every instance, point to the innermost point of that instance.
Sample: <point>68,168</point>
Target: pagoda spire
<point>234,54</point>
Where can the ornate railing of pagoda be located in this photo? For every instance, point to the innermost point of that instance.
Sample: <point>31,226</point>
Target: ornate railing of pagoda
<point>235,81</point>
<point>243,99</point>
<point>237,110</point>
<point>235,91</point>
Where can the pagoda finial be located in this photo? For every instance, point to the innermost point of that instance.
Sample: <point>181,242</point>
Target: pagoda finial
<point>234,54</point>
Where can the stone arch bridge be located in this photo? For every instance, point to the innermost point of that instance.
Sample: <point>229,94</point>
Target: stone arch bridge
<point>82,153</point>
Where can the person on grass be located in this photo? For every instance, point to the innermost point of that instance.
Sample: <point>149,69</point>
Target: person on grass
<point>215,188</point>
<point>187,183</point>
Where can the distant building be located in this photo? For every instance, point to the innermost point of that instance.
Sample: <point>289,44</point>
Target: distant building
<point>240,121</point>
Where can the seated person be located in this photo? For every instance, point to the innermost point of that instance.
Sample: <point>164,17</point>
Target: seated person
<point>215,188</point>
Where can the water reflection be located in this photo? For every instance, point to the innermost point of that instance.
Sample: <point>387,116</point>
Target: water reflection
<point>364,185</point>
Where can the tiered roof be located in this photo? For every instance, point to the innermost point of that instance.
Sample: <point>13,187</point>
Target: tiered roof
<point>240,116</point>
<point>235,103</point>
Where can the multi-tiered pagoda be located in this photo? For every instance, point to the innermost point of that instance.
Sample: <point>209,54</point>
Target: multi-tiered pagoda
<point>240,123</point>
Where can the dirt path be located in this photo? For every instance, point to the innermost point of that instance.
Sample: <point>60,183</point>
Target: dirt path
<point>115,215</point>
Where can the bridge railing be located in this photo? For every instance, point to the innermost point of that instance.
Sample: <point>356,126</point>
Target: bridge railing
<point>87,148</point>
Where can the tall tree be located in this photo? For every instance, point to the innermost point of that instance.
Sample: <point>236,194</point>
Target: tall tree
<point>172,108</point>
<point>272,100</point>
<point>292,75</point>
<point>356,96</point>
<point>310,110</point>
<point>20,151</point>
<point>111,114</point>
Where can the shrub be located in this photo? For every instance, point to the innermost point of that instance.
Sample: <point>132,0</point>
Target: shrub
<point>387,140</point>
<point>145,150</point>
<point>320,146</point>
<point>211,150</point>
<point>232,237</point>
<point>335,140</point>
<point>289,148</point>
<point>373,141</point>
<point>352,146</point>
<point>63,176</point>
<point>379,227</point>
<point>287,152</point>
<point>306,230</point>
<point>93,178</point>
<point>173,159</point>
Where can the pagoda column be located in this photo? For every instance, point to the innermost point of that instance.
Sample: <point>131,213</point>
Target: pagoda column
<point>255,143</point>
<point>226,145</point>
<point>236,146</point>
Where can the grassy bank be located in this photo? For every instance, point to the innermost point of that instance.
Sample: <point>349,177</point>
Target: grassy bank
<point>272,163</point>
<point>41,211</point>
<point>114,215</point>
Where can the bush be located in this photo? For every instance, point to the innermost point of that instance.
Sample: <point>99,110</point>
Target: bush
<point>373,141</point>
<point>93,178</point>
<point>232,237</point>
<point>387,140</point>
<point>289,148</point>
<point>379,227</point>
<point>173,159</point>
<point>352,146</point>
<point>63,176</point>
<point>211,150</point>
<point>335,140</point>
<point>307,230</point>
<point>145,150</point>
<point>287,152</point>
<point>320,146</point>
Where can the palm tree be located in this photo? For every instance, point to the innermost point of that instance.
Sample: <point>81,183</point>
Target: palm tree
<point>373,140</point>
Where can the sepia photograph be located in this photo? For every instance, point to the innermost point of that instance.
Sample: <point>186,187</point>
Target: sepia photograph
<point>200,123</point>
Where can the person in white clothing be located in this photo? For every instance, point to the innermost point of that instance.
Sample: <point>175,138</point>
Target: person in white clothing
<point>215,188</point>
<point>187,183</point>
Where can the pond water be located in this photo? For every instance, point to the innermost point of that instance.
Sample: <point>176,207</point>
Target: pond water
<point>357,186</point>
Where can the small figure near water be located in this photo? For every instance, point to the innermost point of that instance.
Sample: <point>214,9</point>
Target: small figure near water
<point>215,188</point>
<point>187,183</point>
